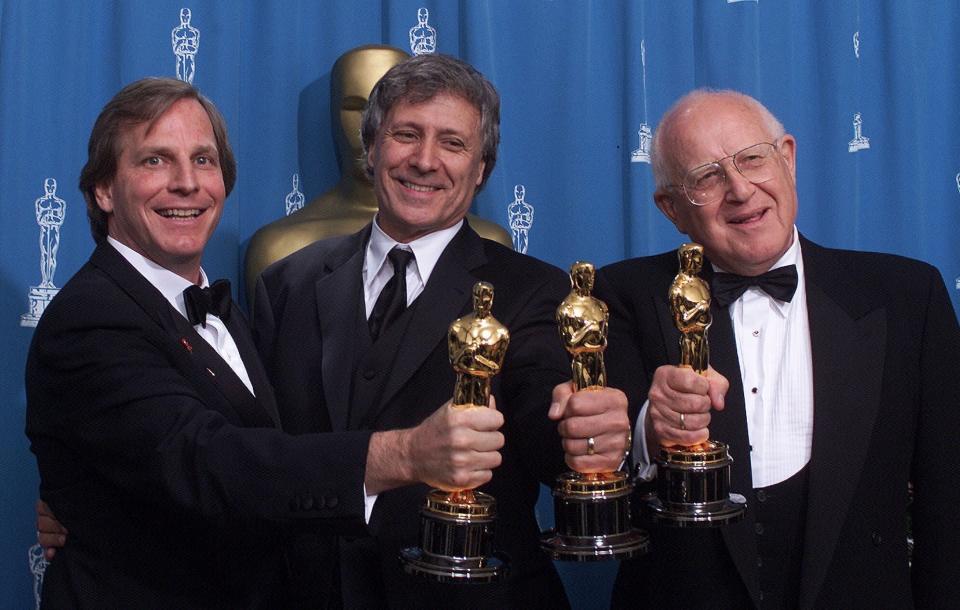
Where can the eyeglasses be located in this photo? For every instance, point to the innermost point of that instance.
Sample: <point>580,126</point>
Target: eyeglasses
<point>706,184</point>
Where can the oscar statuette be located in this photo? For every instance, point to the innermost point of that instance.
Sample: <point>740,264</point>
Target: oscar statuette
<point>456,527</point>
<point>591,509</point>
<point>693,483</point>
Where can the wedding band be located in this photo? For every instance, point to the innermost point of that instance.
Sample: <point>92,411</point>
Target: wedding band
<point>683,424</point>
<point>591,446</point>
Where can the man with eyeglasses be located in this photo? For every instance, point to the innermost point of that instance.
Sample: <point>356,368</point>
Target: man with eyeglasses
<point>834,380</point>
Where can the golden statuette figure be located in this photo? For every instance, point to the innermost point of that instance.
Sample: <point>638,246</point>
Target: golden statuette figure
<point>583,322</point>
<point>690,305</point>
<point>477,344</point>
<point>591,509</point>
<point>456,527</point>
<point>693,483</point>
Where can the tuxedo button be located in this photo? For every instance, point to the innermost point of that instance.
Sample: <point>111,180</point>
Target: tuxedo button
<point>877,538</point>
<point>332,502</point>
<point>761,495</point>
<point>758,527</point>
<point>759,562</point>
<point>369,374</point>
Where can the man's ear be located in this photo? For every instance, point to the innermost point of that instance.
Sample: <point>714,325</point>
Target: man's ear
<point>788,150</point>
<point>369,152</point>
<point>104,195</point>
<point>666,204</point>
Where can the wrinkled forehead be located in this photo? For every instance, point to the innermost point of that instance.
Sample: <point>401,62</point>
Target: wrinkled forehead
<point>185,112</point>
<point>446,111</point>
<point>714,128</point>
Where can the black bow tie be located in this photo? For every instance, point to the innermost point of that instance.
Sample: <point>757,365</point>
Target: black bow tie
<point>214,299</point>
<point>780,283</point>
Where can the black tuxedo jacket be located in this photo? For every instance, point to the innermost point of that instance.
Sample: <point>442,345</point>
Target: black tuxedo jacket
<point>173,480</point>
<point>886,379</point>
<point>310,323</point>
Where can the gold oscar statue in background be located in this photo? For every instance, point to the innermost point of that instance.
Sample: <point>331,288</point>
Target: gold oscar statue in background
<point>351,203</point>
<point>591,510</point>
<point>693,483</point>
<point>456,527</point>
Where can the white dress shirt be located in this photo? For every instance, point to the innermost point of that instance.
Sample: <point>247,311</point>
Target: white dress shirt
<point>171,286</point>
<point>776,366</point>
<point>426,251</point>
<point>377,272</point>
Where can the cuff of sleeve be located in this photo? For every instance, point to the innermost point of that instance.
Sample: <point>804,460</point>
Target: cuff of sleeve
<point>642,468</point>
<point>368,502</point>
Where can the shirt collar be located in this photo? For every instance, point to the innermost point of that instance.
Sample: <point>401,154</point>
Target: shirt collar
<point>791,257</point>
<point>426,249</point>
<point>170,285</point>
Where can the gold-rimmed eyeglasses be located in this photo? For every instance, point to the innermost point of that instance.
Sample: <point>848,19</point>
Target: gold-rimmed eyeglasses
<point>706,184</point>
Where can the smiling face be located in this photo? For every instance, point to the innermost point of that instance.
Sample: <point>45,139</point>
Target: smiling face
<point>167,195</point>
<point>427,164</point>
<point>748,230</point>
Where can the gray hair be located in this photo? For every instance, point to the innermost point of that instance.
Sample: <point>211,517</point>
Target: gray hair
<point>420,79</point>
<point>665,140</point>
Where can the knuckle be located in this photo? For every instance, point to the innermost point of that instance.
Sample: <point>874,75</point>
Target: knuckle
<point>460,478</point>
<point>458,438</point>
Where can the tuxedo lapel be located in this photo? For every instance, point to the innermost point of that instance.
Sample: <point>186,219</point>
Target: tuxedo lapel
<point>848,341</point>
<point>240,331</point>
<point>217,371</point>
<point>339,298</point>
<point>730,426</point>
<point>446,295</point>
<point>208,363</point>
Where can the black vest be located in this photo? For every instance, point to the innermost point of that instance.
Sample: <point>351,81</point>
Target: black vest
<point>781,516</point>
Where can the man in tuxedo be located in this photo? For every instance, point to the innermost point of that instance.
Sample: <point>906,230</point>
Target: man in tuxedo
<point>430,134</point>
<point>155,428</point>
<point>833,379</point>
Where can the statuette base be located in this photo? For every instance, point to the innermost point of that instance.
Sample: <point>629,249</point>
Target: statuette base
<point>455,540</point>
<point>693,487</point>
<point>592,513</point>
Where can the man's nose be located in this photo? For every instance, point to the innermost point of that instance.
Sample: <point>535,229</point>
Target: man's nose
<point>426,157</point>
<point>184,178</point>
<point>739,189</point>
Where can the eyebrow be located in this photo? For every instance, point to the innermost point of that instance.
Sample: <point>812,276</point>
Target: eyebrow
<point>202,149</point>
<point>442,131</point>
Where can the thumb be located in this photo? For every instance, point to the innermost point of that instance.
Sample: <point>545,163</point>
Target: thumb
<point>558,401</point>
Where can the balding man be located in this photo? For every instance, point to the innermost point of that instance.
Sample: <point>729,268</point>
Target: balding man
<point>833,380</point>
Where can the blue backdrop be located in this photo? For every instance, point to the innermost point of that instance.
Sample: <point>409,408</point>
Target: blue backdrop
<point>869,89</point>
